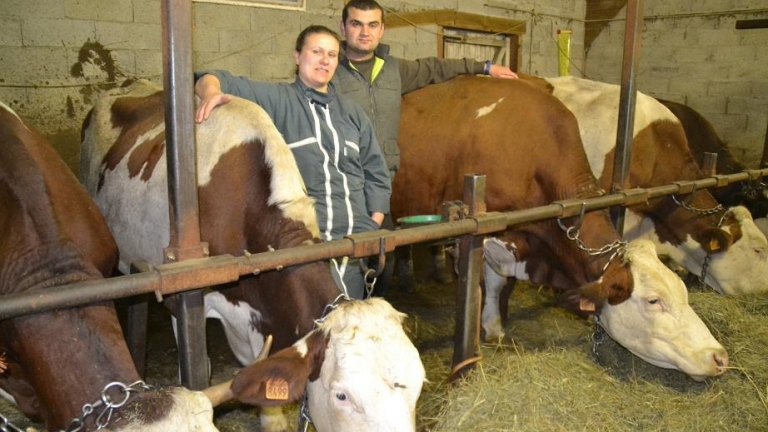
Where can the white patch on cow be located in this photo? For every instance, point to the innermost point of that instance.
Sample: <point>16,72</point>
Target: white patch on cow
<point>597,104</point>
<point>500,264</point>
<point>229,125</point>
<point>238,320</point>
<point>487,109</point>
<point>301,346</point>
<point>273,420</point>
<point>372,375</point>
<point>657,324</point>
<point>191,411</point>
<point>762,225</point>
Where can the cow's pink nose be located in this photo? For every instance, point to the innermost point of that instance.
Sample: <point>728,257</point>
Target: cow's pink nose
<point>721,360</point>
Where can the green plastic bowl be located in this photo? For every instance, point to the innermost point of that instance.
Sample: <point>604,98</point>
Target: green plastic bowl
<point>412,221</point>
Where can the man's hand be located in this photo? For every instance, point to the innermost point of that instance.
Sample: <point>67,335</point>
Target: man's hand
<point>498,71</point>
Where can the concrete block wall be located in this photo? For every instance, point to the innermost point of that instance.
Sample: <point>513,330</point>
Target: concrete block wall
<point>57,56</point>
<point>692,53</point>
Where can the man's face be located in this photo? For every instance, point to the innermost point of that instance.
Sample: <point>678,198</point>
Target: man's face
<point>363,31</point>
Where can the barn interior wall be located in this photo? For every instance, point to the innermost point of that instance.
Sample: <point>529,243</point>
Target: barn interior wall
<point>57,56</point>
<point>692,53</point>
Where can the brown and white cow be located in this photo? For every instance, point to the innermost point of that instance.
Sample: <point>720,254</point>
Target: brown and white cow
<point>527,144</point>
<point>252,199</point>
<point>702,138</point>
<point>734,248</point>
<point>53,234</point>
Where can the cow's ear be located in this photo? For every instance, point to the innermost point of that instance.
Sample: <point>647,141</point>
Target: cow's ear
<point>714,240</point>
<point>281,378</point>
<point>614,287</point>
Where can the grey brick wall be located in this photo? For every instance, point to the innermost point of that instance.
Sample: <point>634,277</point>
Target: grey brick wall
<point>56,56</point>
<point>700,59</point>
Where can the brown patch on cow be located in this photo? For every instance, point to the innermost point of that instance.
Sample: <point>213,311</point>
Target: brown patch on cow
<point>614,287</point>
<point>660,155</point>
<point>135,116</point>
<point>251,384</point>
<point>733,225</point>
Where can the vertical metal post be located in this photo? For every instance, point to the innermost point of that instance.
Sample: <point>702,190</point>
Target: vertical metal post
<point>182,184</point>
<point>764,160</point>
<point>626,122</point>
<point>466,350</point>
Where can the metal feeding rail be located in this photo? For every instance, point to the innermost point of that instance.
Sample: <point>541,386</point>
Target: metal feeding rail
<point>176,277</point>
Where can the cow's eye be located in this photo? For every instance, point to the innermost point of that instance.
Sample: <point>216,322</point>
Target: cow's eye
<point>655,304</point>
<point>341,396</point>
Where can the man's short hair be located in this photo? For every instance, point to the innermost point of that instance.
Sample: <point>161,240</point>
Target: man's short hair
<point>364,5</point>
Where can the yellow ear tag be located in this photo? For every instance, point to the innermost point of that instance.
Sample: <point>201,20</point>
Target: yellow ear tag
<point>586,305</point>
<point>277,389</point>
<point>714,245</point>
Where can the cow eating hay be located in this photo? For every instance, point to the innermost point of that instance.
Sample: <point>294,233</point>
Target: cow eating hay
<point>548,377</point>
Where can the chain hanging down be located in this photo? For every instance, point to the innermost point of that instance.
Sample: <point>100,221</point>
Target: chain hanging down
<point>105,406</point>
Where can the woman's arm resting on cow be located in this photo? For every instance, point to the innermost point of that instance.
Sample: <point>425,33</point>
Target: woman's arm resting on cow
<point>208,89</point>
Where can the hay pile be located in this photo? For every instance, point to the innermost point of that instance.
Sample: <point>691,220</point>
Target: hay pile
<point>546,375</point>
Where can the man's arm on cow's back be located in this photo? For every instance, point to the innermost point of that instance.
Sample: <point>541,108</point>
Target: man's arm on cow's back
<point>416,74</point>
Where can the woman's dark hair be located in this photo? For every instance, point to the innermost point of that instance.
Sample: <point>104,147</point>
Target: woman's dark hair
<point>313,29</point>
<point>364,5</point>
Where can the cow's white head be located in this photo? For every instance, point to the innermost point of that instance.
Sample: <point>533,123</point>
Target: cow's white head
<point>740,267</point>
<point>361,371</point>
<point>657,324</point>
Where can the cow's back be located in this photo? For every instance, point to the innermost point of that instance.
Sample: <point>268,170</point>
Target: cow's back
<point>53,235</point>
<point>525,142</point>
<point>504,129</point>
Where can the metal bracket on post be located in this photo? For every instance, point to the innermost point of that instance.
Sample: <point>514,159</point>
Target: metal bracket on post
<point>635,196</point>
<point>370,243</point>
<point>454,211</point>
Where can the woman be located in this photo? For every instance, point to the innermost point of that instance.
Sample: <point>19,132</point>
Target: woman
<point>331,138</point>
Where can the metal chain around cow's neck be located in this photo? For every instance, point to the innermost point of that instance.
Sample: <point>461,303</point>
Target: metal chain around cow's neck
<point>7,426</point>
<point>616,247</point>
<point>696,210</point>
<point>106,406</point>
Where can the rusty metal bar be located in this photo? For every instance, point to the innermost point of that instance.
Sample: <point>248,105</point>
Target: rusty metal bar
<point>167,279</point>
<point>466,336</point>
<point>182,184</point>
<point>626,121</point>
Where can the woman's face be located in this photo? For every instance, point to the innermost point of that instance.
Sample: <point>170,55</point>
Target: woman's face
<point>317,60</point>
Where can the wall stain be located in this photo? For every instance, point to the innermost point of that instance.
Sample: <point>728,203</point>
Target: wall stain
<point>96,64</point>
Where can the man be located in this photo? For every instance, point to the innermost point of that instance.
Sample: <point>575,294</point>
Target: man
<point>377,81</point>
